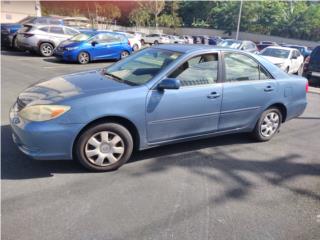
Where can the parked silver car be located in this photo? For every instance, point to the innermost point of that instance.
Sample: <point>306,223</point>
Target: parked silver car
<point>43,38</point>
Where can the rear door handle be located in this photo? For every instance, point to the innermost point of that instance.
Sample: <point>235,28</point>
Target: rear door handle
<point>269,89</point>
<point>213,95</point>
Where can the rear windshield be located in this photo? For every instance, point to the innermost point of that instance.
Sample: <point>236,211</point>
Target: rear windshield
<point>275,52</point>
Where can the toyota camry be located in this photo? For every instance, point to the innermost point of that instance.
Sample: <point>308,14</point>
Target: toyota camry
<point>160,95</point>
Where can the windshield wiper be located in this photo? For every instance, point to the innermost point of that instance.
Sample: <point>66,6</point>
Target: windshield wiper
<point>113,76</point>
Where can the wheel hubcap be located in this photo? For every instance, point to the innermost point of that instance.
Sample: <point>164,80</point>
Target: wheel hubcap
<point>104,148</point>
<point>83,58</point>
<point>124,54</point>
<point>46,50</point>
<point>270,124</point>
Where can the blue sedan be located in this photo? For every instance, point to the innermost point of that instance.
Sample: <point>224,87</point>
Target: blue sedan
<point>93,45</point>
<point>160,95</point>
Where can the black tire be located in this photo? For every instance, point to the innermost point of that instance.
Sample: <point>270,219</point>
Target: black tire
<point>124,54</point>
<point>81,146</point>
<point>142,42</point>
<point>257,132</point>
<point>135,47</point>
<point>46,49</point>
<point>156,42</point>
<point>83,58</point>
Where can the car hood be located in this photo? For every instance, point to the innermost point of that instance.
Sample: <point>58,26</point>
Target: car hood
<point>69,43</point>
<point>70,86</point>
<point>274,60</point>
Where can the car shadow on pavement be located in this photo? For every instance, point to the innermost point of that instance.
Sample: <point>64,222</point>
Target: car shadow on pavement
<point>18,53</point>
<point>207,158</point>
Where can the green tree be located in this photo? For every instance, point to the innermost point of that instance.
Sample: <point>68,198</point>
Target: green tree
<point>139,17</point>
<point>154,8</point>
<point>108,12</point>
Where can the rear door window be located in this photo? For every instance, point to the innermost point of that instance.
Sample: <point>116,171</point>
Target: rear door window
<point>57,30</point>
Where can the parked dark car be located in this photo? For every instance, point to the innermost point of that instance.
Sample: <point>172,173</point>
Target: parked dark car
<point>264,44</point>
<point>9,30</point>
<point>213,40</point>
<point>303,49</point>
<point>312,67</point>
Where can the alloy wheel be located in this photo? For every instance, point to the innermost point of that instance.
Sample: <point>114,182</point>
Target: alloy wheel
<point>270,124</point>
<point>124,54</point>
<point>83,58</point>
<point>104,148</point>
<point>46,49</point>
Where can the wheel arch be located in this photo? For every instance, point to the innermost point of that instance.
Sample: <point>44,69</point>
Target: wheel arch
<point>114,119</point>
<point>282,108</point>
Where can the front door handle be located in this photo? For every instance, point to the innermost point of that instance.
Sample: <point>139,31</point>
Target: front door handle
<point>269,89</point>
<point>213,95</point>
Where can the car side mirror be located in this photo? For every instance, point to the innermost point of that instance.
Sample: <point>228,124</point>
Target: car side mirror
<point>93,43</point>
<point>169,83</point>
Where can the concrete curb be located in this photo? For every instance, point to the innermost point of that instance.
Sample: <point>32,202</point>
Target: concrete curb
<point>314,90</point>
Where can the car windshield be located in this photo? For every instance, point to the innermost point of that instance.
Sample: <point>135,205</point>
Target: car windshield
<point>81,37</point>
<point>275,52</point>
<point>230,44</point>
<point>141,67</point>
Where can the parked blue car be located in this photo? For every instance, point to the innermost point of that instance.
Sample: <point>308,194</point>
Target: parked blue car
<point>93,45</point>
<point>160,95</point>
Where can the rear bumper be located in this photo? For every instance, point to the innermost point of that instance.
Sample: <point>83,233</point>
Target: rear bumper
<point>47,140</point>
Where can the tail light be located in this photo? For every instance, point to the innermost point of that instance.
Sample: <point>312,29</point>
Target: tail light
<point>307,87</point>
<point>306,63</point>
<point>307,60</point>
<point>27,35</point>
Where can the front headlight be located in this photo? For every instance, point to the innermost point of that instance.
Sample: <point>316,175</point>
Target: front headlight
<point>40,113</point>
<point>71,48</point>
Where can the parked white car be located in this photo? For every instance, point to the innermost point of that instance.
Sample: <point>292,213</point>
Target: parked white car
<point>176,39</point>
<point>155,39</point>
<point>43,38</point>
<point>133,40</point>
<point>288,59</point>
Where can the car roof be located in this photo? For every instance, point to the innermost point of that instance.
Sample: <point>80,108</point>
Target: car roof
<point>187,48</point>
<point>283,48</point>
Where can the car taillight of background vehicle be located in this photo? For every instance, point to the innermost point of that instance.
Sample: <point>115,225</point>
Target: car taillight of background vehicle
<point>307,86</point>
<point>306,62</point>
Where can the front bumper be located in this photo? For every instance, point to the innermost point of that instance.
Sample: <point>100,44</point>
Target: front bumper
<point>48,140</point>
<point>68,56</point>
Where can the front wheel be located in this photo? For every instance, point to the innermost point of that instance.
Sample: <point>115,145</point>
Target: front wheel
<point>104,147</point>
<point>268,125</point>
<point>83,58</point>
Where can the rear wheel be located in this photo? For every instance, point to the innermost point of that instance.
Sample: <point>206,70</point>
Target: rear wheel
<point>143,42</point>
<point>135,47</point>
<point>156,42</point>
<point>124,54</point>
<point>46,49</point>
<point>268,124</point>
<point>83,58</point>
<point>104,147</point>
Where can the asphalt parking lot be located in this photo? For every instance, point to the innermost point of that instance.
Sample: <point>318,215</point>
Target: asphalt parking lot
<point>220,188</point>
